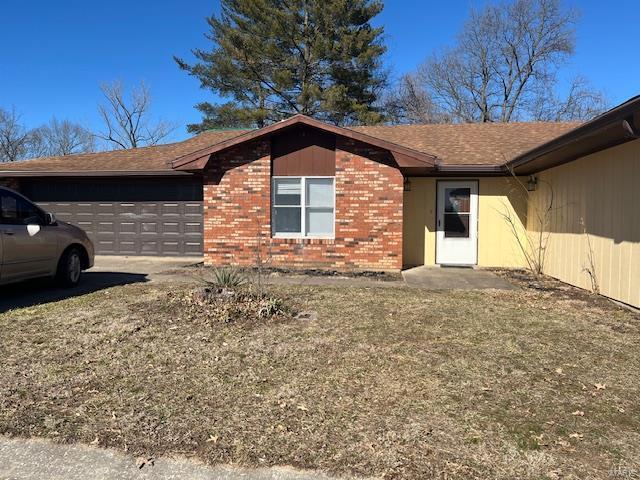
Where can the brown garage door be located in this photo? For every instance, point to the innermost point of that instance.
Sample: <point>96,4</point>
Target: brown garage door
<point>128,216</point>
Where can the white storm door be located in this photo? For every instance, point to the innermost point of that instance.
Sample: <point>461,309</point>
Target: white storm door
<point>457,223</point>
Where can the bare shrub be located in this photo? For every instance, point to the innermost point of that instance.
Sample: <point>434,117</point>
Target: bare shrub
<point>532,244</point>
<point>590,267</point>
<point>222,305</point>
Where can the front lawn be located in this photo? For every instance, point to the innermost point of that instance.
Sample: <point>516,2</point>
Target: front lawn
<point>397,383</point>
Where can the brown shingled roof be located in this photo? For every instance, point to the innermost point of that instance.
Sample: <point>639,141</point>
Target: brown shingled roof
<point>490,144</point>
<point>472,143</point>
<point>146,159</point>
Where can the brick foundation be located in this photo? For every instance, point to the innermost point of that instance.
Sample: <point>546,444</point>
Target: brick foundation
<point>368,229</point>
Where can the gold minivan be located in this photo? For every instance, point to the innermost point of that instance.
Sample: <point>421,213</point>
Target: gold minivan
<point>34,244</point>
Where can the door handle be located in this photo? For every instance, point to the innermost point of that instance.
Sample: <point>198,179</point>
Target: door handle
<point>8,233</point>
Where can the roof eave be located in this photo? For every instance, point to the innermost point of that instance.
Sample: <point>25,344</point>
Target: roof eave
<point>469,168</point>
<point>573,148</point>
<point>618,125</point>
<point>92,173</point>
<point>404,156</point>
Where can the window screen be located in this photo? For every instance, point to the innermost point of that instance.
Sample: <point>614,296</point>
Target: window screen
<point>303,206</point>
<point>457,211</point>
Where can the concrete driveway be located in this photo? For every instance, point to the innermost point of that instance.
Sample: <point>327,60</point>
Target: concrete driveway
<point>154,268</point>
<point>109,271</point>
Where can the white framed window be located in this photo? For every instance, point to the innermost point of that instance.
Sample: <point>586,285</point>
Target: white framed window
<point>303,207</point>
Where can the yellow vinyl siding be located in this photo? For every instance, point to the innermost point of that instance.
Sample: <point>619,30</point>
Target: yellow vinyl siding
<point>419,224</point>
<point>497,245</point>
<point>497,242</point>
<point>595,201</point>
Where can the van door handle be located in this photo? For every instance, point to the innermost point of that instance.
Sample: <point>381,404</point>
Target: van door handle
<point>6,232</point>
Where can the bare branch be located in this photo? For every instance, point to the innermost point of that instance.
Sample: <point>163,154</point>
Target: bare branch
<point>15,139</point>
<point>533,237</point>
<point>581,103</point>
<point>503,67</point>
<point>410,103</point>
<point>125,118</point>
<point>590,267</point>
<point>63,137</point>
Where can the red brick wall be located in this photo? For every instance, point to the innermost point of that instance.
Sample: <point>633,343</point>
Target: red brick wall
<point>368,230</point>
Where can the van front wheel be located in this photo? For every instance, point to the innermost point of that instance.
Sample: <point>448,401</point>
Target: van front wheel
<point>70,268</point>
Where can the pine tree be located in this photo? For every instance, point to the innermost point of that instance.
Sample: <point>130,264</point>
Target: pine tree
<point>275,58</point>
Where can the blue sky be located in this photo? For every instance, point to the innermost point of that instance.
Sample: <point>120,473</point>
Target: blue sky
<point>56,53</point>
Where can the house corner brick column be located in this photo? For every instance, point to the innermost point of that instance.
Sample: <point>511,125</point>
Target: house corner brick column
<point>368,229</point>
<point>236,205</point>
<point>369,203</point>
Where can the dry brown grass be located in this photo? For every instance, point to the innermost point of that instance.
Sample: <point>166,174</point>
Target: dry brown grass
<point>398,383</point>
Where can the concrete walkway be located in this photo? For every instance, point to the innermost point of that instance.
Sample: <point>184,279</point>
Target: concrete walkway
<point>451,278</point>
<point>22,459</point>
<point>163,269</point>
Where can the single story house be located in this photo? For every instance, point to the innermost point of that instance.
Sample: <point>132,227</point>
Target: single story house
<point>301,193</point>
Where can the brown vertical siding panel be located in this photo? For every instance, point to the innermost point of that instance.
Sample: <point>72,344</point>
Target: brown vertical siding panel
<point>303,151</point>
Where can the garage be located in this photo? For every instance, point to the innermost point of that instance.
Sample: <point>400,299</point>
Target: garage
<point>130,202</point>
<point>132,216</point>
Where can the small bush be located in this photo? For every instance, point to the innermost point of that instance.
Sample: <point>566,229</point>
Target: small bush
<point>271,306</point>
<point>227,277</point>
<point>224,305</point>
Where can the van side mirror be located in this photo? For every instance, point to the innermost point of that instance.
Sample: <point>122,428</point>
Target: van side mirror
<point>49,219</point>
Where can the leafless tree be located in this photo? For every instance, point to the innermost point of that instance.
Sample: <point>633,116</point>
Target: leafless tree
<point>58,137</point>
<point>15,139</point>
<point>581,103</point>
<point>63,137</point>
<point>410,103</point>
<point>36,146</point>
<point>504,67</point>
<point>126,117</point>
